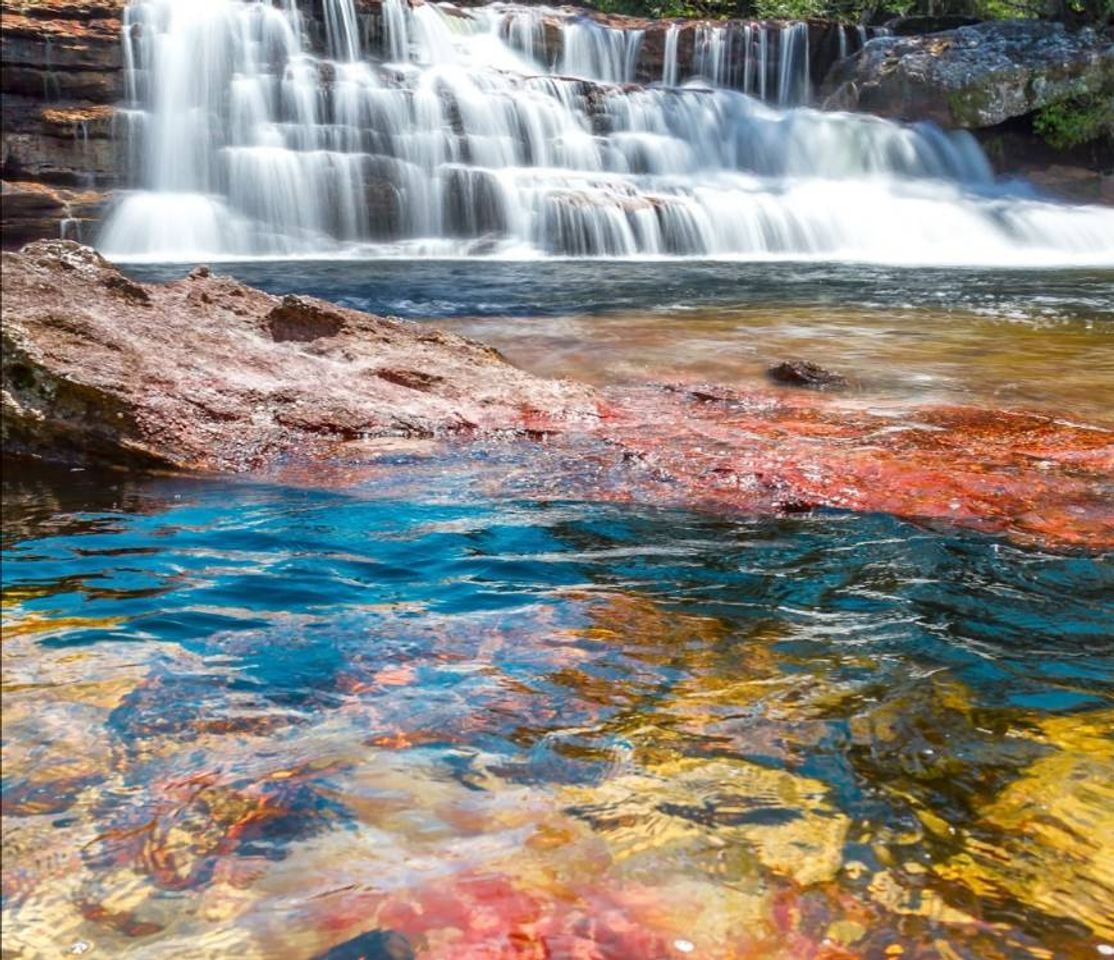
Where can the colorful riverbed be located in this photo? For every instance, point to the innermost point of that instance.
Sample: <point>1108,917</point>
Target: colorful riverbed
<point>424,705</point>
<point>255,721</point>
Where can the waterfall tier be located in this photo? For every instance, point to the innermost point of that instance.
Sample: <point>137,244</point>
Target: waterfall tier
<point>517,131</point>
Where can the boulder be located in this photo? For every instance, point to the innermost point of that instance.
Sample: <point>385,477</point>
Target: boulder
<point>972,77</point>
<point>804,373</point>
<point>205,373</point>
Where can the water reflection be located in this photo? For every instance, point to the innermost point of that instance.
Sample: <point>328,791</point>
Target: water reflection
<point>256,721</point>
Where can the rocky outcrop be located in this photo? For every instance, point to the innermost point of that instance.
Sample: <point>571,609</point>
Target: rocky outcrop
<point>975,76</point>
<point>1082,174</point>
<point>209,374</point>
<point>62,75</point>
<point>33,210</point>
<point>205,373</point>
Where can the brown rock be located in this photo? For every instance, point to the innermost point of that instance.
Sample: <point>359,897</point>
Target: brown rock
<point>803,373</point>
<point>205,373</point>
<point>32,211</point>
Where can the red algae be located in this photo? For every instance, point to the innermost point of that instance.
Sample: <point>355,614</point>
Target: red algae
<point>207,374</point>
<point>1031,476</point>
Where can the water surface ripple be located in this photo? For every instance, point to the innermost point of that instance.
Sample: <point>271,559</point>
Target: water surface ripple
<point>252,720</point>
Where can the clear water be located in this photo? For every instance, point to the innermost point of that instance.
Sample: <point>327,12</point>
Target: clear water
<point>436,289</point>
<point>1028,339</point>
<point>252,720</point>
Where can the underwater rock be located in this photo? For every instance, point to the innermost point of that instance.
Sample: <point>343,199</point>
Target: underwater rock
<point>775,819</point>
<point>208,374</point>
<point>376,945</point>
<point>1045,840</point>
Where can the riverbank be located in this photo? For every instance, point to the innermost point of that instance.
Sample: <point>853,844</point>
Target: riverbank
<point>206,374</point>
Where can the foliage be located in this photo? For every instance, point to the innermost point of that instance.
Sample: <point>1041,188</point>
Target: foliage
<point>793,9</point>
<point>666,9</point>
<point>863,11</point>
<point>1082,120</point>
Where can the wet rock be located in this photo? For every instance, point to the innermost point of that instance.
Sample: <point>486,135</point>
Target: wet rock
<point>804,373</point>
<point>974,76</point>
<point>781,821</point>
<point>376,945</point>
<point>1044,840</point>
<point>302,321</point>
<point>201,373</point>
<point>62,76</point>
<point>206,373</point>
<point>33,210</point>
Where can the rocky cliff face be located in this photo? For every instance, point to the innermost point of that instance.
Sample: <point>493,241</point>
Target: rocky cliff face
<point>62,74</point>
<point>975,76</point>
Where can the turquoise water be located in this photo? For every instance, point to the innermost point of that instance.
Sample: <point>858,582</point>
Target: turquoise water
<point>415,682</point>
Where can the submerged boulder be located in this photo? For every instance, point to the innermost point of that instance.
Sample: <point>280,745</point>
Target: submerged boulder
<point>974,76</point>
<point>205,373</point>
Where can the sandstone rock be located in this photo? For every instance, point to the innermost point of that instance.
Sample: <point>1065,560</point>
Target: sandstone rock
<point>62,75</point>
<point>71,145</point>
<point>35,210</point>
<point>974,76</point>
<point>206,373</point>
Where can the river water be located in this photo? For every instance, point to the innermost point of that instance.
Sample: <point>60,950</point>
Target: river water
<point>1023,338</point>
<point>255,718</point>
<point>417,709</point>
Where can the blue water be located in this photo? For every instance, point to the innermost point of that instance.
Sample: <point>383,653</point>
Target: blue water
<point>284,585</point>
<point>495,646</point>
<point>419,289</point>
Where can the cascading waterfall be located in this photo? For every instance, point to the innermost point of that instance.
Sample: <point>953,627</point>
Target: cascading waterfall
<point>670,71</point>
<point>464,133</point>
<point>769,61</point>
<point>597,52</point>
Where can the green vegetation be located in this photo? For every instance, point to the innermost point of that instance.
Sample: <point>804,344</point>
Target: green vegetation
<point>1076,122</point>
<point>860,11</point>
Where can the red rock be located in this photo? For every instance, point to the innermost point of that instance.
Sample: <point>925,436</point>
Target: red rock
<point>205,373</point>
<point>208,374</point>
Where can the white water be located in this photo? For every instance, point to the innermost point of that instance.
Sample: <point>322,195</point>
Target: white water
<point>462,133</point>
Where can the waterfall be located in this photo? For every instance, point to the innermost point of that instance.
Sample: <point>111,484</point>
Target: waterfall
<point>341,30</point>
<point>738,56</point>
<point>670,68</point>
<point>793,85</point>
<point>458,132</point>
<point>597,52</point>
<point>394,30</point>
